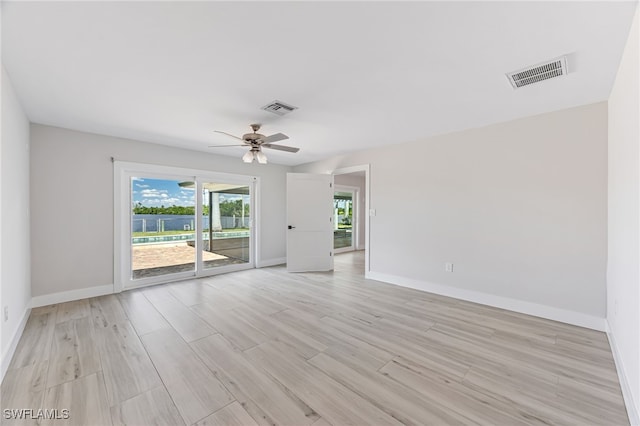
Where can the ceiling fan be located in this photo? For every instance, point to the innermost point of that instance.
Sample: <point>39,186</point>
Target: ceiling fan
<point>256,142</point>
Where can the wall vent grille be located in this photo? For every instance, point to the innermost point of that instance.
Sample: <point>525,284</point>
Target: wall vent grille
<point>537,73</point>
<point>279,108</point>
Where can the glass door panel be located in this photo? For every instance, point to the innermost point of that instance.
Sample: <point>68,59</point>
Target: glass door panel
<point>226,213</point>
<point>343,220</point>
<point>162,228</point>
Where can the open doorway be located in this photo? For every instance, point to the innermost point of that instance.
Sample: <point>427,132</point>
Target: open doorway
<point>345,220</point>
<point>351,207</point>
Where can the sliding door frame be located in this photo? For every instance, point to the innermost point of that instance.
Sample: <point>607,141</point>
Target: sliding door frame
<point>123,172</point>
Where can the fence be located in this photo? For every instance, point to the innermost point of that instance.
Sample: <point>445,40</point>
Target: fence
<point>161,223</point>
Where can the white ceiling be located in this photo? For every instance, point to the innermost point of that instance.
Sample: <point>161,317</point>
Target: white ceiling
<point>363,74</point>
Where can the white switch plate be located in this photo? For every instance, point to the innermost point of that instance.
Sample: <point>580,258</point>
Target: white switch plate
<point>372,212</point>
<point>448,267</point>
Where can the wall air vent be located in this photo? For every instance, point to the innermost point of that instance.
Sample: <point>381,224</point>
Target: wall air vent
<point>536,73</point>
<point>279,108</point>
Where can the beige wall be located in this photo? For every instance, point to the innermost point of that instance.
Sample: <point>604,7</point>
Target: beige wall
<point>72,203</point>
<point>623,274</point>
<point>15,288</point>
<point>520,208</point>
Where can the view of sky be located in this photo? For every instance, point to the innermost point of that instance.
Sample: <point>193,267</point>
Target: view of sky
<point>161,192</point>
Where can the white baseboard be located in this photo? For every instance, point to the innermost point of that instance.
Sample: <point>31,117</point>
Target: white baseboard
<point>271,262</point>
<point>13,344</point>
<point>68,296</point>
<point>542,311</point>
<point>633,410</point>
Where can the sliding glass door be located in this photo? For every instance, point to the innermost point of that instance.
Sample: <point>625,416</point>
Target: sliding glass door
<point>162,228</point>
<point>226,224</point>
<point>173,224</point>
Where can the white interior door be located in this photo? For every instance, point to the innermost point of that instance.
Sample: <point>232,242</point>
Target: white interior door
<point>309,222</point>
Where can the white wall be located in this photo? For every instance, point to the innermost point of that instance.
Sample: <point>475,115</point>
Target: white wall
<point>72,203</point>
<point>623,273</point>
<point>15,287</point>
<point>520,208</point>
<point>358,182</point>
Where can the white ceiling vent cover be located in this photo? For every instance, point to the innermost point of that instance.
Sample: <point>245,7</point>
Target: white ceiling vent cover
<point>536,73</point>
<point>279,108</point>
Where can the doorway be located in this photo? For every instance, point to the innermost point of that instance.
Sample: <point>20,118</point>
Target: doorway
<point>345,221</point>
<point>354,181</point>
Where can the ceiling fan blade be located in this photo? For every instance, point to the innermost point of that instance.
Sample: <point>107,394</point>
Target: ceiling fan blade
<point>280,147</point>
<point>275,138</point>
<point>228,134</point>
<point>224,146</point>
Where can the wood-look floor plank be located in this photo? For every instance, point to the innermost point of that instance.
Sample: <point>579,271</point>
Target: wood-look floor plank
<point>74,353</point>
<point>596,402</point>
<point>325,396</point>
<point>144,317</point>
<point>532,355</point>
<point>153,407</point>
<point>474,407</point>
<point>336,341</point>
<point>85,398</point>
<point>321,422</point>
<point>253,299</point>
<point>395,399</point>
<point>127,369</point>
<point>73,310</point>
<point>240,333</point>
<point>192,386</point>
<point>193,292</point>
<point>275,329</point>
<point>536,397</point>
<point>490,318</point>
<point>182,319</point>
<point>106,310</point>
<point>244,380</point>
<point>231,415</point>
<point>44,310</point>
<point>22,389</point>
<point>35,344</point>
<point>416,348</point>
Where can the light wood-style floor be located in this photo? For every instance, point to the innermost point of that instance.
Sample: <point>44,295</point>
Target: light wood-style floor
<point>270,348</point>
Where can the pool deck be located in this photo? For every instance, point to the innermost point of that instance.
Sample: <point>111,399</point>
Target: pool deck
<point>150,260</point>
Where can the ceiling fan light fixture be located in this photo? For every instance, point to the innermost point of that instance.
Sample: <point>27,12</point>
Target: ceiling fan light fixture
<point>248,157</point>
<point>255,142</point>
<point>262,159</point>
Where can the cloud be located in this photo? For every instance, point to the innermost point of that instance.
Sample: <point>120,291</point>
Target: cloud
<point>154,193</point>
<point>156,197</point>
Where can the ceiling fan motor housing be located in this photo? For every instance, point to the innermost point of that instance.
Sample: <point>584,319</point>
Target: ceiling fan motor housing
<point>251,137</point>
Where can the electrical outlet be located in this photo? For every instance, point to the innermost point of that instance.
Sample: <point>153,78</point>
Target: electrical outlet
<point>448,267</point>
<point>6,313</point>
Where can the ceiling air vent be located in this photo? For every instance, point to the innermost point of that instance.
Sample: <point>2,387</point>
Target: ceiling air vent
<point>279,108</point>
<point>536,73</point>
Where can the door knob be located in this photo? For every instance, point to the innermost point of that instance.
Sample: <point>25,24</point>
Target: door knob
<point>290,227</point>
